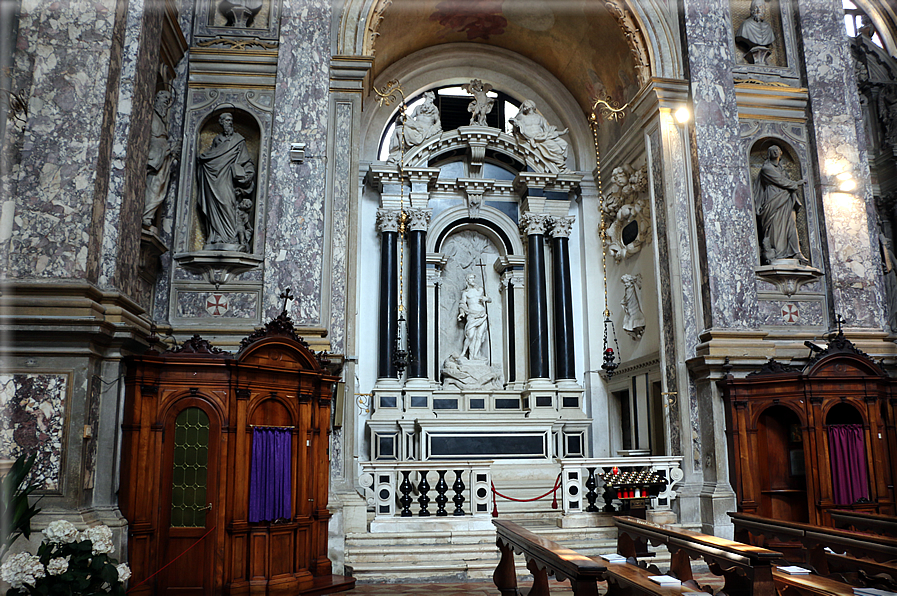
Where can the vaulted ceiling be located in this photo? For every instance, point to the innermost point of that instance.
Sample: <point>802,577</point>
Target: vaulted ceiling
<point>579,41</point>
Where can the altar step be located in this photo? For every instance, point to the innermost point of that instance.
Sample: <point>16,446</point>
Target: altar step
<point>457,556</point>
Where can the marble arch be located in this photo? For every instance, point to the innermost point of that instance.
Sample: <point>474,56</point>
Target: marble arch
<point>508,71</point>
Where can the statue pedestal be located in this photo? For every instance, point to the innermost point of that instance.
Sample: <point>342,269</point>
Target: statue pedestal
<point>788,275</point>
<point>759,55</point>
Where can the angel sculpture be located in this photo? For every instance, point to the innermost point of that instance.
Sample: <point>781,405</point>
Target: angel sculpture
<point>481,104</point>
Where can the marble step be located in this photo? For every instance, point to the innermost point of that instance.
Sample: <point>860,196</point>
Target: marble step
<point>448,556</point>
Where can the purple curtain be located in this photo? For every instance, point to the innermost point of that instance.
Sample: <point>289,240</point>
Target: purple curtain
<point>847,451</point>
<point>270,477</point>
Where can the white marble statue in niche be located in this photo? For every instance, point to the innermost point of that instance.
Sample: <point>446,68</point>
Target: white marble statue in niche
<point>627,212</point>
<point>633,317</point>
<point>470,316</point>
<point>423,124</point>
<point>482,104</point>
<point>756,34</point>
<point>533,130</point>
<point>163,153</point>
<point>225,176</point>
<point>777,201</point>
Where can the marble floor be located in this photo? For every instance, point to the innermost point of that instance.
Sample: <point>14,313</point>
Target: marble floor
<point>484,588</point>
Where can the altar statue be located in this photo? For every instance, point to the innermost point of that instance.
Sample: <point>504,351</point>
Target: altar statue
<point>633,316</point>
<point>531,129</point>
<point>776,200</point>
<point>423,124</point>
<point>225,177</point>
<point>472,311</point>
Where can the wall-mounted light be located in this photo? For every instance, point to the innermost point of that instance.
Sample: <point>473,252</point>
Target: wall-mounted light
<point>682,115</point>
<point>846,183</point>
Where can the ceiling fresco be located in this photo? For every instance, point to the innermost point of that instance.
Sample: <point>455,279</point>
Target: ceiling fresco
<point>578,41</point>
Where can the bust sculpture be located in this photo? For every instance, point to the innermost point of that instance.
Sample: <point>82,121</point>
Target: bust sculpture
<point>756,34</point>
<point>776,200</point>
<point>531,129</point>
<point>225,179</point>
<point>162,155</point>
<point>423,124</point>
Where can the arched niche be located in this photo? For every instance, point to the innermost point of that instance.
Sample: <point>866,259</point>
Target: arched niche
<point>246,215</point>
<point>793,169</point>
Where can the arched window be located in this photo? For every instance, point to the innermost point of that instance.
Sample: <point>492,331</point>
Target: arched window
<point>855,20</point>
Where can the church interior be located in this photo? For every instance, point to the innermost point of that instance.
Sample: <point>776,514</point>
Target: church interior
<point>302,295</point>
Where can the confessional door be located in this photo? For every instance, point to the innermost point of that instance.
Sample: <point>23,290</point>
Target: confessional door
<point>188,498</point>
<point>781,467</point>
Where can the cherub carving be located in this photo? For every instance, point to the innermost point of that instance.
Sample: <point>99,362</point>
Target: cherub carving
<point>481,104</point>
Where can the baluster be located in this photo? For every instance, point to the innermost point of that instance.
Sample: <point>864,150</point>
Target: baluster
<point>405,500</point>
<point>441,499</point>
<point>458,499</point>
<point>423,500</point>
<point>592,495</point>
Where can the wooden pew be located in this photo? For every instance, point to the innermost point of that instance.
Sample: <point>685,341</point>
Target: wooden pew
<point>815,539</point>
<point>747,569</point>
<point>876,523</point>
<point>544,558</point>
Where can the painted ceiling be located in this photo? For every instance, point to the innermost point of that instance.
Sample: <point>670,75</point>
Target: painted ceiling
<point>578,41</point>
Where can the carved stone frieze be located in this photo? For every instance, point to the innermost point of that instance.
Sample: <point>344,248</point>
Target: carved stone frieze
<point>637,46</point>
<point>627,212</point>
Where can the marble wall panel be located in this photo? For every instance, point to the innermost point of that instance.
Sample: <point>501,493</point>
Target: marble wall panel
<point>792,313</point>
<point>217,305</point>
<point>339,225</point>
<point>63,60</point>
<point>32,420</point>
<point>725,203</point>
<point>668,331</point>
<point>854,267</point>
<point>295,228</point>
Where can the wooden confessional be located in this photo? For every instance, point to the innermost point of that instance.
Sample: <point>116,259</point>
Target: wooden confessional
<point>778,422</point>
<point>187,441</point>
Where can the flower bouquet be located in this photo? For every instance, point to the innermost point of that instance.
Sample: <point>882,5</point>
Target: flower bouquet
<point>67,562</point>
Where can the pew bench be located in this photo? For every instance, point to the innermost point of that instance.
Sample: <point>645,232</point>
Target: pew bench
<point>545,557</point>
<point>747,570</point>
<point>809,585</point>
<point>815,539</point>
<point>875,523</point>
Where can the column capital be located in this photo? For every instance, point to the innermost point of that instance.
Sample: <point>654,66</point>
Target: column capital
<point>419,219</point>
<point>388,220</point>
<point>534,223</point>
<point>562,226</point>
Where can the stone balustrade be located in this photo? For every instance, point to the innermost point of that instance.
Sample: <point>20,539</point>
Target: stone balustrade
<point>451,494</point>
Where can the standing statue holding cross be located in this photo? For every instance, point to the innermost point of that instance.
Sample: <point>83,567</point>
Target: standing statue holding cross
<point>472,310</point>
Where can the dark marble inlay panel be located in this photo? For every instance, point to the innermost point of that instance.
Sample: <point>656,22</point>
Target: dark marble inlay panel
<point>217,305</point>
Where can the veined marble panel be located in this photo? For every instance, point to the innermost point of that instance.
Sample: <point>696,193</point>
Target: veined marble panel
<point>339,225</point>
<point>295,228</point>
<point>217,305</point>
<point>62,65</point>
<point>854,266</point>
<point>726,204</point>
<point>33,407</point>
<point>793,313</point>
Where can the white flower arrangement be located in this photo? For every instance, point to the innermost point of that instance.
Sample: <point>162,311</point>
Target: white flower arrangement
<point>69,562</point>
<point>23,569</point>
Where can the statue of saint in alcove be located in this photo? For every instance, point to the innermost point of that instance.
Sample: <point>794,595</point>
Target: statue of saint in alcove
<point>470,314</point>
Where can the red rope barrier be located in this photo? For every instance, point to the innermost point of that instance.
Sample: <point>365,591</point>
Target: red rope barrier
<point>553,491</point>
<point>174,559</point>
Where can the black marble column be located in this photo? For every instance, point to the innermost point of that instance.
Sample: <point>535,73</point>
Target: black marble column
<point>536,295</point>
<point>417,293</point>
<point>387,222</point>
<point>564,357</point>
